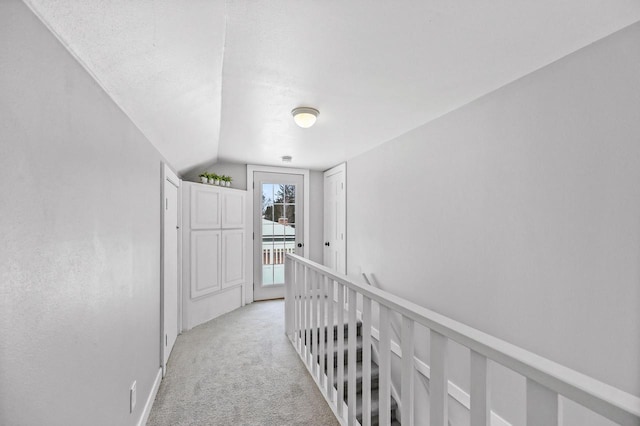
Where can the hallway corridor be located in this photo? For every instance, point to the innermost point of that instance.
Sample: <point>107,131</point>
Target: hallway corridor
<point>239,369</point>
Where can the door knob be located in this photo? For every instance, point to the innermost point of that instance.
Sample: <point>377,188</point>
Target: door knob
<point>299,244</point>
<point>327,244</point>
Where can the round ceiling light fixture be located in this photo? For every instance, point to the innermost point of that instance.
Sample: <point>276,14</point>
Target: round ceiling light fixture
<point>305,117</point>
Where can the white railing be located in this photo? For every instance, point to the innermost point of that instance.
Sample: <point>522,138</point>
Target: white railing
<point>316,298</point>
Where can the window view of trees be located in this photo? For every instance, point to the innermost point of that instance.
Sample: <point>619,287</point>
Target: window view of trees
<point>280,205</point>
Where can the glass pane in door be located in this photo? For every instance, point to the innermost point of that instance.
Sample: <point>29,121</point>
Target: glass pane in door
<point>278,230</point>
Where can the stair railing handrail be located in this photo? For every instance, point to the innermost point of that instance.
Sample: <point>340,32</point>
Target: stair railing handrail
<point>609,401</point>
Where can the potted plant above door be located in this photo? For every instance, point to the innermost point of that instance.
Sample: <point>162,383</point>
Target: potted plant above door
<point>204,177</point>
<point>226,180</point>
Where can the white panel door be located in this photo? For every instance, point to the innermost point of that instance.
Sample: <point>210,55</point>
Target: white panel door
<point>205,262</point>
<point>233,257</point>
<point>205,207</point>
<point>170,288</point>
<point>335,219</point>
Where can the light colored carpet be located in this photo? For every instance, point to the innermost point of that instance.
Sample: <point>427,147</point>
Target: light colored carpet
<point>239,369</point>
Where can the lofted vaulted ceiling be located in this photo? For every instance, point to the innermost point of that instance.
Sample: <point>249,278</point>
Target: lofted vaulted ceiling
<point>210,80</point>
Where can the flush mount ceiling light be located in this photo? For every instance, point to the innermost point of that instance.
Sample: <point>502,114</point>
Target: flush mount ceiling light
<point>286,158</point>
<point>305,117</point>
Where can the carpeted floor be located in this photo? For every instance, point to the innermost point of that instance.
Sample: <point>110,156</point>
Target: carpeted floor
<point>239,369</point>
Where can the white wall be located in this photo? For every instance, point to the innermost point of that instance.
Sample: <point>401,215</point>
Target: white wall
<point>80,232</point>
<point>519,213</point>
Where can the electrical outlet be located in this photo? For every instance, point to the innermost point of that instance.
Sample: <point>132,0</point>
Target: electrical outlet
<point>132,397</point>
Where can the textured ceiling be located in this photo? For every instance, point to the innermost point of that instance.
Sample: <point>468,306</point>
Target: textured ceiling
<point>160,60</point>
<point>214,80</point>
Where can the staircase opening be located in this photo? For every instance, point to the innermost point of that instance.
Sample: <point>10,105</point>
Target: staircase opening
<point>340,372</point>
<point>329,319</point>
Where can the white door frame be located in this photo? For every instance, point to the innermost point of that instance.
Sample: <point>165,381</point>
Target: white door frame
<point>171,176</point>
<point>249,247</point>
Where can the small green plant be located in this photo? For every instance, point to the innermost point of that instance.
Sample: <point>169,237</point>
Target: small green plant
<point>204,175</point>
<point>225,178</point>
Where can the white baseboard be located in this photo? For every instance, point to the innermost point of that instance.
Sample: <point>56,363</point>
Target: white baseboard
<point>152,397</point>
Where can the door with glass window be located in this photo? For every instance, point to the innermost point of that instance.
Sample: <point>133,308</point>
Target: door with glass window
<point>278,229</point>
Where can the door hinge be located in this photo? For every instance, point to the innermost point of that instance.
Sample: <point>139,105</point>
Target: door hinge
<point>165,340</point>
<point>166,204</point>
<point>342,185</point>
<point>253,235</point>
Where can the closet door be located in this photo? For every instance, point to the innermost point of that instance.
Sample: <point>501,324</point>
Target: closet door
<point>205,262</point>
<point>233,257</point>
<point>233,210</point>
<point>205,207</point>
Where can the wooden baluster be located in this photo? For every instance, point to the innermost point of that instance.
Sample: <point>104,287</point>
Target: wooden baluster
<point>299,303</point>
<point>330,339</point>
<point>352,358</point>
<point>384,393</point>
<point>294,267</point>
<point>366,361</point>
<point>407,371</point>
<point>480,391</point>
<point>340,350</point>
<point>322,282</point>
<point>314,322</point>
<point>307,317</point>
<point>439,382</point>
<point>315,327</point>
<point>288,300</point>
<point>542,405</point>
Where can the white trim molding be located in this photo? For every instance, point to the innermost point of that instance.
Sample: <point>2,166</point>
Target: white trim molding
<point>146,411</point>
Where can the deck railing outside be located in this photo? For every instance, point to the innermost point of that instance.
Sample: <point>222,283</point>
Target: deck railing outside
<point>275,256</point>
<point>314,295</point>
